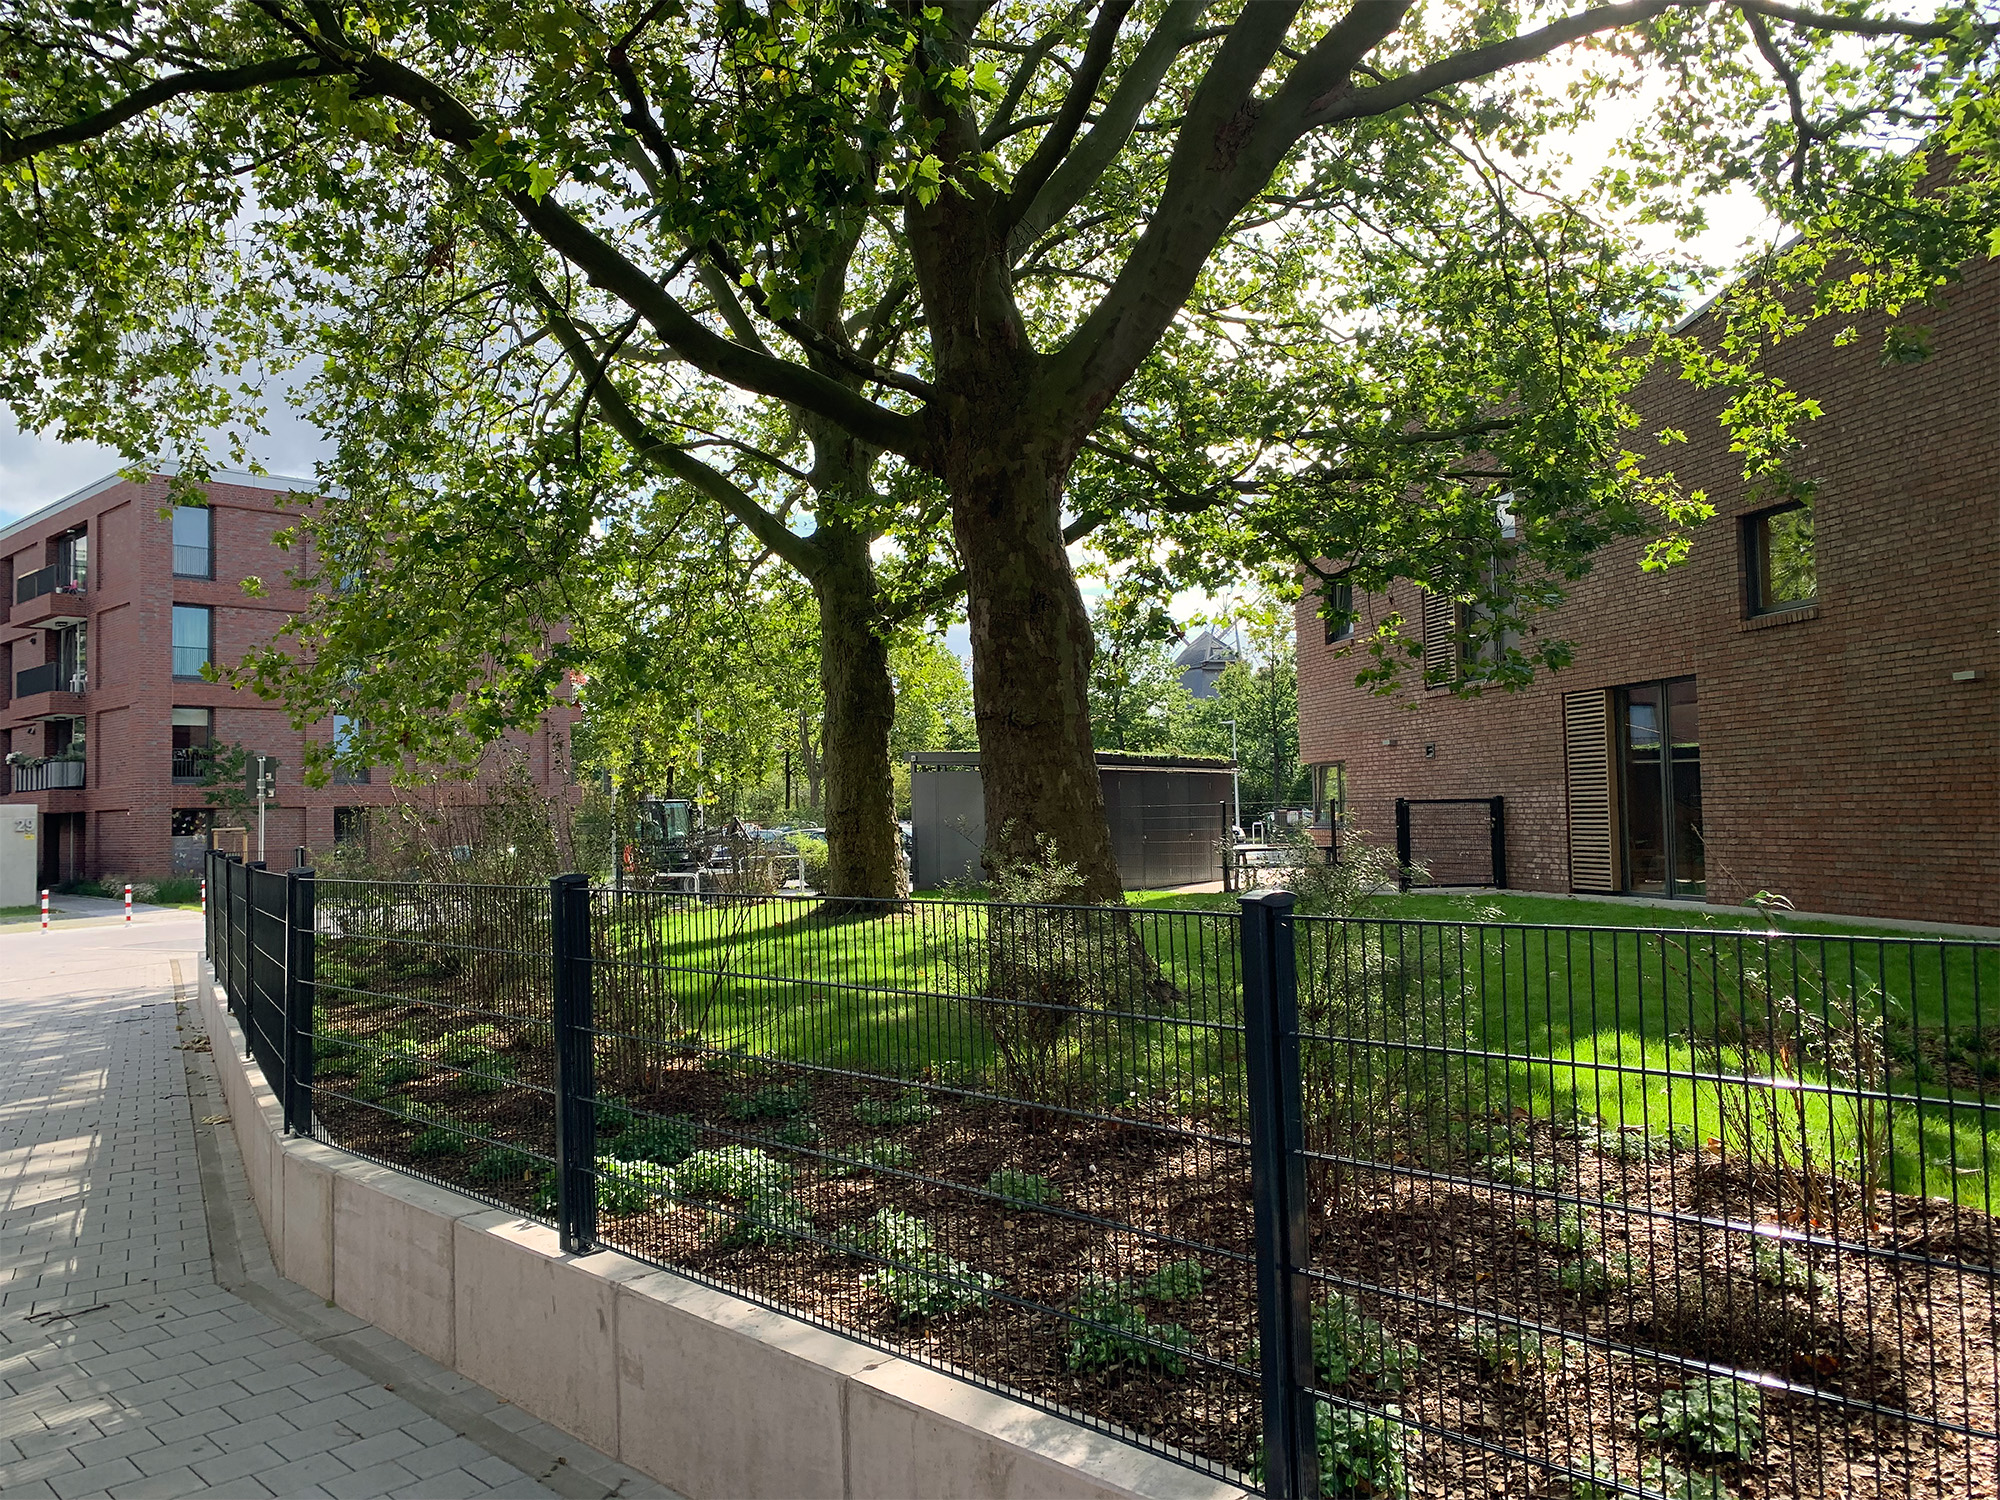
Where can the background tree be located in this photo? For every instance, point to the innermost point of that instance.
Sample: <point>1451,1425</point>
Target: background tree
<point>1054,186</point>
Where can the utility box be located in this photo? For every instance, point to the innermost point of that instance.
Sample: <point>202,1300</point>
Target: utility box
<point>20,842</point>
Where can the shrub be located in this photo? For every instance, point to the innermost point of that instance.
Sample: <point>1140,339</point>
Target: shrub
<point>1662,1481</point>
<point>484,1070</point>
<point>797,1132</point>
<point>665,1143</point>
<point>1510,1350</point>
<point>1174,1282</point>
<point>1118,1332</point>
<point>880,1152</point>
<point>1349,1345</point>
<point>731,1172</point>
<point>1522,1171</point>
<point>445,1138</point>
<point>392,1064</point>
<point>1597,1274</point>
<point>814,852</point>
<point>775,1101</point>
<point>1568,1228</point>
<point>934,1287</point>
<point>1657,1481</point>
<point>751,1191</point>
<point>1785,1268</point>
<point>1021,1187</point>
<point>1711,1416</point>
<point>909,1109</point>
<point>335,1053</point>
<point>629,1187</point>
<point>923,1282</point>
<point>614,1116</point>
<point>1361,1453</point>
<point>502,1164</point>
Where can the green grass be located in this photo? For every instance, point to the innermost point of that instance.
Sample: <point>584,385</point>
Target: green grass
<point>1583,1023</point>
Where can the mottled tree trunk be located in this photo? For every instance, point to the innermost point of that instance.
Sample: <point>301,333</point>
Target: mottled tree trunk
<point>864,851</point>
<point>1031,650</point>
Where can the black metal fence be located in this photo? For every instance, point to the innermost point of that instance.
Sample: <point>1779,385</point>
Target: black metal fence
<point>1352,1207</point>
<point>1452,841</point>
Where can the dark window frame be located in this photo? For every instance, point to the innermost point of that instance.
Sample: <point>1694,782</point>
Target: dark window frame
<point>206,549</point>
<point>1754,535</point>
<point>1338,613</point>
<point>208,646</point>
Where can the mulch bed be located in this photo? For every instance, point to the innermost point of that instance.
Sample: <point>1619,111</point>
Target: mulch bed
<point>1904,1322</point>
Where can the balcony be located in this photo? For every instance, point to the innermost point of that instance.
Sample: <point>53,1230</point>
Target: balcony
<point>60,773</point>
<point>48,598</point>
<point>45,692</point>
<point>193,562</point>
<point>191,765</point>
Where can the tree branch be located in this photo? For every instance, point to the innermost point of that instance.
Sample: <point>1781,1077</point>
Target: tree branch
<point>15,148</point>
<point>1052,147</point>
<point>1137,86</point>
<point>606,267</point>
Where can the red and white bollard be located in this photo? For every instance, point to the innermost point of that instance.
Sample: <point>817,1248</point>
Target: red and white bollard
<point>128,903</point>
<point>45,911</point>
<point>204,896</point>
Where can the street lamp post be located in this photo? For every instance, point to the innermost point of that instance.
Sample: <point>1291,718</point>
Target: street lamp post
<point>1235,786</point>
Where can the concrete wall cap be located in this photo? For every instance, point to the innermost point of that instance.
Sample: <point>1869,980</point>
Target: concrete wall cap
<point>1119,1467</point>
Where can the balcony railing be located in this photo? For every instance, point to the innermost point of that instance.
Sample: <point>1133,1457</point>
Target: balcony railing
<point>192,764</point>
<point>193,562</point>
<point>48,678</point>
<point>189,660</point>
<point>59,774</point>
<point>55,578</point>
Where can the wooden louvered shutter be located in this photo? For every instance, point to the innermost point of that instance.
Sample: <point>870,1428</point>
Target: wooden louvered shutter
<point>1441,641</point>
<point>1593,806</point>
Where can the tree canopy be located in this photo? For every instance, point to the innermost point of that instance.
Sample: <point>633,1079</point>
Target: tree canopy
<point>965,281</point>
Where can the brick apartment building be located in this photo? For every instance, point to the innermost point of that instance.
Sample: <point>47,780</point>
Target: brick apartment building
<point>114,600</point>
<point>1806,706</point>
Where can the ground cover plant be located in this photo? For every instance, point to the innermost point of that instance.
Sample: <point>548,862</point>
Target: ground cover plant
<point>1491,1255</point>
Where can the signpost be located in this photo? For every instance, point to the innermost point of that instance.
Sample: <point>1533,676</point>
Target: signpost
<point>260,779</point>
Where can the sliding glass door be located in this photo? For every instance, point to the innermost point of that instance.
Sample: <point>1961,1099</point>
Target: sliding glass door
<point>1659,765</point>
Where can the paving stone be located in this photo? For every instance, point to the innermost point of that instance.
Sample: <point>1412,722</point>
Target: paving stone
<point>177,1386</point>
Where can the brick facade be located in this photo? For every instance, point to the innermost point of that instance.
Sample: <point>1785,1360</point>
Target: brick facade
<point>130,692</point>
<point>1848,760</point>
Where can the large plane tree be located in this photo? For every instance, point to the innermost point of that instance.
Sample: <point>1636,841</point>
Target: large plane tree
<point>746,193</point>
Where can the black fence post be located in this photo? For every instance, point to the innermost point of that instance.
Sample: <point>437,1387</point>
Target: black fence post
<point>576,1088</point>
<point>1403,843</point>
<point>299,994</point>
<point>1499,825</point>
<point>1278,1194</point>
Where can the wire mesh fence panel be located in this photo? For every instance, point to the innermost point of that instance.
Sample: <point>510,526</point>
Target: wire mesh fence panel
<point>264,945</point>
<point>1002,1140</point>
<point>1452,841</point>
<point>431,1039</point>
<point>1616,1211</point>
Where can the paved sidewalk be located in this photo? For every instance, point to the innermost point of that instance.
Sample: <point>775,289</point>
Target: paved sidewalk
<point>146,1346</point>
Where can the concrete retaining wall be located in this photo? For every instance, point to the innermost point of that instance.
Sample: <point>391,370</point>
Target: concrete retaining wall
<point>703,1391</point>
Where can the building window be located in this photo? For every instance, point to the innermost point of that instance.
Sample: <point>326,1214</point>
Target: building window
<point>345,732</point>
<point>193,638</point>
<point>1330,796</point>
<point>1338,609</point>
<point>194,541</point>
<point>193,822</point>
<point>1659,774</point>
<point>1778,552</point>
<point>194,733</point>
